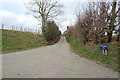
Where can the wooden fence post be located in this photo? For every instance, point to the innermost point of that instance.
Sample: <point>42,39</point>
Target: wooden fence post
<point>20,28</point>
<point>2,26</point>
<point>24,29</point>
<point>38,31</point>
<point>12,28</point>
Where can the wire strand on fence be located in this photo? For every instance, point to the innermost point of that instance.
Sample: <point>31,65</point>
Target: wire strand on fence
<point>21,29</point>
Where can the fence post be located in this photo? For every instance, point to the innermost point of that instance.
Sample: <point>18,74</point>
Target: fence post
<point>38,31</point>
<point>24,29</point>
<point>12,28</point>
<point>31,30</point>
<point>2,26</point>
<point>21,29</point>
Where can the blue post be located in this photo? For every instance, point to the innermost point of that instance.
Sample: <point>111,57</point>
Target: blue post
<point>104,48</point>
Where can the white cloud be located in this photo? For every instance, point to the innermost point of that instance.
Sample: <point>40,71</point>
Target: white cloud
<point>14,14</point>
<point>11,1</point>
<point>19,20</point>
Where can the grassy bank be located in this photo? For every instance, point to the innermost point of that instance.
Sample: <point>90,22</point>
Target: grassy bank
<point>16,41</point>
<point>94,53</point>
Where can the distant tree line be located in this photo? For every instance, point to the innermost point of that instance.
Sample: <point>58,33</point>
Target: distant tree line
<point>52,31</point>
<point>97,23</point>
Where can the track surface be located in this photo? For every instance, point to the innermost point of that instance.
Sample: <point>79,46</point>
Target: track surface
<point>54,61</point>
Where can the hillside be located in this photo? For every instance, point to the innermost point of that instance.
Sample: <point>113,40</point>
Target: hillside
<point>16,41</point>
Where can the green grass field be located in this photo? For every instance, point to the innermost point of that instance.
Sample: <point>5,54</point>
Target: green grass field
<point>16,41</point>
<point>94,53</point>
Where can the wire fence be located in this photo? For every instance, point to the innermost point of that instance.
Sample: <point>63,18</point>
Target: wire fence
<point>38,31</point>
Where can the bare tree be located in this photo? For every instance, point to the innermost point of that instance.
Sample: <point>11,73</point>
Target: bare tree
<point>118,22</point>
<point>86,23</point>
<point>44,10</point>
<point>112,20</point>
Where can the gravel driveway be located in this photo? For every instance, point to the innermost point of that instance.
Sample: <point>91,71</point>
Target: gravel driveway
<point>54,61</point>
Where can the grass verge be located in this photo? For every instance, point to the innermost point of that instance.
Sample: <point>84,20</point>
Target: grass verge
<point>13,41</point>
<point>94,53</point>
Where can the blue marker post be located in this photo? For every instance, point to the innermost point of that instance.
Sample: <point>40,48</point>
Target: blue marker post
<point>104,48</point>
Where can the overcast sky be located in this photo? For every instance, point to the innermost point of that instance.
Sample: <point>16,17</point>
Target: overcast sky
<point>13,13</point>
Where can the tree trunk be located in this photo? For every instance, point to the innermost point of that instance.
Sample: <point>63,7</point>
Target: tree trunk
<point>112,21</point>
<point>109,34</point>
<point>43,26</point>
<point>118,37</point>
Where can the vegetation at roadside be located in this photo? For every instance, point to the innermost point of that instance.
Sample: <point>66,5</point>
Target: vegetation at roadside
<point>96,25</point>
<point>46,11</point>
<point>16,41</point>
<point>94,53</point>
<point>51,32</point>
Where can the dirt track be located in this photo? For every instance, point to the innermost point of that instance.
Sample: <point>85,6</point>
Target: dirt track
<point>54,61</point>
